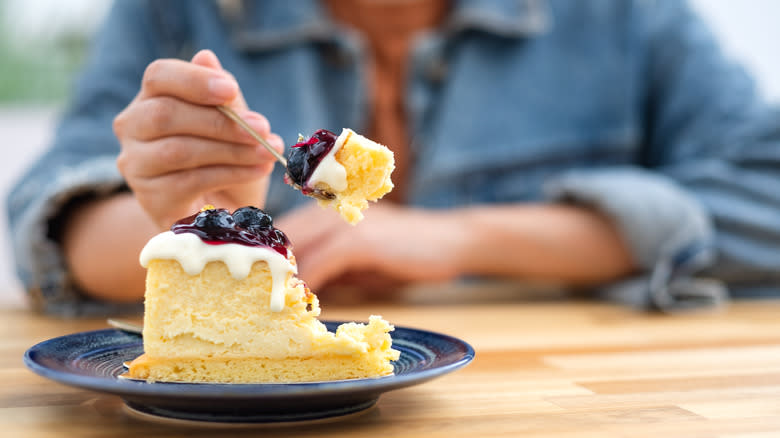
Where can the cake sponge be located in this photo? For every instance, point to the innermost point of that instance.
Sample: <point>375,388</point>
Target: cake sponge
<point>368,167</point>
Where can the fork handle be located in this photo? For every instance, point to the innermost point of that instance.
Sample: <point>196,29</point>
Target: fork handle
<point>229,113</point>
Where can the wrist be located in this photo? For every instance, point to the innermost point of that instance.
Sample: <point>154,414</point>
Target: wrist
<point>107,271</point>
<point>464,240</point>
<point>544,242</point>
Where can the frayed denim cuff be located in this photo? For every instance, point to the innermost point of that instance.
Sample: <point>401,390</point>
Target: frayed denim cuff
<point>667,231</point>
<point>40,261</point>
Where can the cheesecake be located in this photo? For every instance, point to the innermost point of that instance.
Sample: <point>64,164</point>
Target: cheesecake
<point>223,304</point>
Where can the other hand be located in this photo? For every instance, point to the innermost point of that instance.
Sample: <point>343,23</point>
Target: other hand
<point>404,244</point>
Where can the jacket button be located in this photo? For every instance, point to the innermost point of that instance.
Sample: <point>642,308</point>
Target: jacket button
<point>436,70</point>
<point>337,58</point>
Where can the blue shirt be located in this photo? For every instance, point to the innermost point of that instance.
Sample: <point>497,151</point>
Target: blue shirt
<point>628,107</point>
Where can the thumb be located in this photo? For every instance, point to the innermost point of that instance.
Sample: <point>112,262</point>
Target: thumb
<point>207,58</point>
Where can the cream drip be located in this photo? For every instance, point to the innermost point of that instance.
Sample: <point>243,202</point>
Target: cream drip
<point>193,254</point>
<point>329,172</point>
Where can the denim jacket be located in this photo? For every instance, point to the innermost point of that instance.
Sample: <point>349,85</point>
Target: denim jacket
<point>628,107</point>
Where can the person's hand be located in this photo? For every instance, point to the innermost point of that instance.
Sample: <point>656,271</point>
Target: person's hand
<point>401,243</point>
<point>178,152</point>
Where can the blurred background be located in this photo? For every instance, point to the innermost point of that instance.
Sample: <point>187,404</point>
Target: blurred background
<point>43,43</point>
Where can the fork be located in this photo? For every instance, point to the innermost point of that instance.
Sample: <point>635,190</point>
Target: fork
<point>229,113</point>
<point>125,326</point>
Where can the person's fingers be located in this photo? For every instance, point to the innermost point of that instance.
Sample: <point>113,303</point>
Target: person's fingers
<point>184,186</point>
<point>189,82</point>
<point>164,116</point>
<point>207,58</point>
<point>331,258</point>
<point>276,142</point>
<point>176,153</point>
<point>308,226</point>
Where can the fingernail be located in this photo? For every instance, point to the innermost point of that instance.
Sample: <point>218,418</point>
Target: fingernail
<point>222,87</point>
<point>249,115</point>
<point>276,142</point>
<point>256,122</point>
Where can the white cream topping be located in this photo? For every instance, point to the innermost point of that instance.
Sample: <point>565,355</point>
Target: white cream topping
<point>193,254</point>
<point>330,172</point>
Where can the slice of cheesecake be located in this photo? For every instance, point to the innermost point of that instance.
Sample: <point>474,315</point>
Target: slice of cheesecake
<point>223,304</point>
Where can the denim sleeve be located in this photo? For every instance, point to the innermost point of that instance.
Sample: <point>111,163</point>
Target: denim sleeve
<point>707,199</point>
<point>668,232</point>
<point>80,162</point>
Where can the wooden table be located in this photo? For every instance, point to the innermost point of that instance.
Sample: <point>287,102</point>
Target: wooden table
<point>543,368</point>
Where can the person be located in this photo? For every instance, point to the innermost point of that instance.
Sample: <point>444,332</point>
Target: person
<point>606,145</point>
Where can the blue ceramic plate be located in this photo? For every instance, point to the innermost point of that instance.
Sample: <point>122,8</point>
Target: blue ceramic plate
<point>93,360</point>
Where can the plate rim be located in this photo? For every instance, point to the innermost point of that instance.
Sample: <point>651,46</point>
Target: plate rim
<point>238,391</point>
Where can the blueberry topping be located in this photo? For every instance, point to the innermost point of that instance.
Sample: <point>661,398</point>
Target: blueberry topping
<point>305,156</point>
<point>213,220</point>
<point>281,238</point>
<point>248,226</point>
<point>252,218</point>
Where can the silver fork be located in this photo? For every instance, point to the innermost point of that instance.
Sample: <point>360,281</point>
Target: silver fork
<point>229,113</point>
<point>125,326</point>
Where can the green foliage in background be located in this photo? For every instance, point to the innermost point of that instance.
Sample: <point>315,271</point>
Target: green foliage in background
<point>40,72</point>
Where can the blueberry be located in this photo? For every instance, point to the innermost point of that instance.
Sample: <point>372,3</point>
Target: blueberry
<point>305,156</point>
<point>215,219</point>
<point>252,218</point>
<point>296,165</point>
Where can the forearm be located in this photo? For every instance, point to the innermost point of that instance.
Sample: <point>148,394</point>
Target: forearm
<point>102,241</point>
<point>545,242</point>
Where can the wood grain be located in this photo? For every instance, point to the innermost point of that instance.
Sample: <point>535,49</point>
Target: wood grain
<point>543,368</point>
